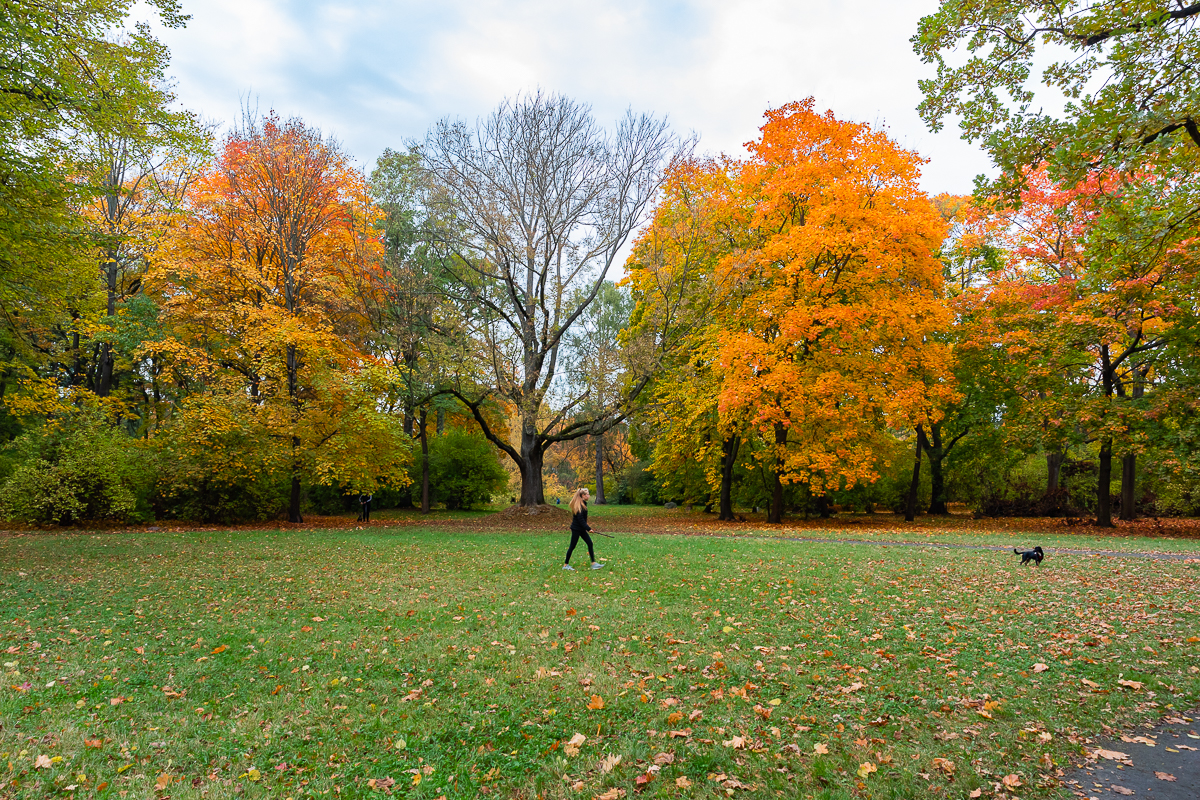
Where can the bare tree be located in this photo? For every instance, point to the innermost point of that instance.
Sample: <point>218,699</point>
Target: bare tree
<point>540,201</point>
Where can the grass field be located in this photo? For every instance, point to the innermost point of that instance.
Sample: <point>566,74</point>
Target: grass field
<point>440,662</point>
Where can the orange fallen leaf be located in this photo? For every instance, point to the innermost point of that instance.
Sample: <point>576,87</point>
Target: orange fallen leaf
<point>93,742</point>
<point>1164,776</point>
<point>1011,781</point>
<point>820,749</point>
<point>164,780</point>
<point>596,703</point>
<point>221,648</point>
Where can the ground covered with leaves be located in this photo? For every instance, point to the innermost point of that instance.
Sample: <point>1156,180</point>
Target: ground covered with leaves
<point>430,662</point>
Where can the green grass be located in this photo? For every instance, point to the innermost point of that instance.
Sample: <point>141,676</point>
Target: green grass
<point>294,664</point>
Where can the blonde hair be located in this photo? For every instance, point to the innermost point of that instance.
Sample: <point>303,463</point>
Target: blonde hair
<point>577,502</point>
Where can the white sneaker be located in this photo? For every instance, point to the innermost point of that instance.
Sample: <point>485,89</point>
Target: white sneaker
<point>568,567</point>
<point>597,565</point>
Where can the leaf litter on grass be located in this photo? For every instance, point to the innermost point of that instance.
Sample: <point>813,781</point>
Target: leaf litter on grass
<point>466,652</point>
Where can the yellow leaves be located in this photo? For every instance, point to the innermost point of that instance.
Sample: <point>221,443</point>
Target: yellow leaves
<point>865,769</point>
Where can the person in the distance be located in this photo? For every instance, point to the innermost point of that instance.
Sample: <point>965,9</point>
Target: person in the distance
<point>580,528</point>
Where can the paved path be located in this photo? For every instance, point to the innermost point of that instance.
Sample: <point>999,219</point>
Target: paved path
<point>1157,763</point>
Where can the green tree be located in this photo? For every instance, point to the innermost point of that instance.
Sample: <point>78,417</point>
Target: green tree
<point>1117,90</point>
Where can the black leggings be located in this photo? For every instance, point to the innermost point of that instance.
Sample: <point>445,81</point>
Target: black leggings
<point>575,537</point>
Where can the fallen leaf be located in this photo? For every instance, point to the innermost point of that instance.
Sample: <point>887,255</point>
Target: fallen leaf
<point>305,628</point>
<point>944,765</point>
<point>820,749</point>
<point>737,742</point>
<point>221,648</point>
<point>1011,781</point>
<point>1111,755</point>
<point>1164,776</point>
<point>644,778</point>
<point>664,758</point>
<point>611,794</point>
<point>596,703</point>
<point>683,783</point>
<point>866,768</point>
<point>164,780</point>
<point>1135,685</point>
<point>1040,668</point>
<point>42,762</point>
<point>608,762</point>
<point>1091,684</point>
<point>976,794</point>
<point>1121,789</point>
<point>93,742</point>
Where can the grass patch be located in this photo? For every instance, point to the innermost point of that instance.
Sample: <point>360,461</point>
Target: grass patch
<point>302,663</point>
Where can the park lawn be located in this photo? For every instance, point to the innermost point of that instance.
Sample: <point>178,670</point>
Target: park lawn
<point>302,663</point>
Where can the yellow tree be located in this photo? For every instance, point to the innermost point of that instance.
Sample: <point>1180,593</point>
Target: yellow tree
<point>839,290</point>
<point>672,276</point>
<point>264,284</point>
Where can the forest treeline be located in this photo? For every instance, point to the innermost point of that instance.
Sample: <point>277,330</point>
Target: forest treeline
<point>249,326</point>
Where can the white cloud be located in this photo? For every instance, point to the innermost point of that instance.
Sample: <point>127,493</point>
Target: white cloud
<point>376,73</point>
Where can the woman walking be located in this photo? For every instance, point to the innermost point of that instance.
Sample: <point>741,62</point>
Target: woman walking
<point>580,528</point>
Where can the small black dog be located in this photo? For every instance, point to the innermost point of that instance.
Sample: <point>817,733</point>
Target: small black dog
<point>1035,555</point>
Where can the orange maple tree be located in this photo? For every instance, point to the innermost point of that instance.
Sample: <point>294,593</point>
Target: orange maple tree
<point>828,339</point>
<point>263,283</point>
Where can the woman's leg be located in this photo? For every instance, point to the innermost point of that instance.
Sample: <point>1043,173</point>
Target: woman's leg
<point>575,541</point>
<point>591,552</point>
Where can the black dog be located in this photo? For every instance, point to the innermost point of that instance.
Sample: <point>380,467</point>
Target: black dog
<point>1035,555</point>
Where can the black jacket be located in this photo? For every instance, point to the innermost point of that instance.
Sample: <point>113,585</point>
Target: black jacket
<point>579,523</point>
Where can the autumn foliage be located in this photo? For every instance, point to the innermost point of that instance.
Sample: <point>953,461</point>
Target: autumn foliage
<point>263,285</point>
<point>815,266</point>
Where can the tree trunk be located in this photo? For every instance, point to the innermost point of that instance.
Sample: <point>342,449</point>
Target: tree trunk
<point>441,421</point>
<point>1104,486</point>
<point>293,375</point>
<point>910,508</point>
<point>600,471</point>
<point>532,455</point>
<point>936,453</point>
<point>105,371</point>
<point>1054,462</point>
<point>776,513</point>
<point>424,464</point>
<point>1128,467</point>
<point>730,448</point>
<point>823,506</point>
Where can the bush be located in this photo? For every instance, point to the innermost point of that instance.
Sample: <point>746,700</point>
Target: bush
<point>464,470</point>
<point>78,470</point>
<point>231,472</point>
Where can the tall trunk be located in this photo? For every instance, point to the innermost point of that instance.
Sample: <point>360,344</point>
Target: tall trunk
<point>1104,486</point>
<point>293,377</point>
<point>1104,479</point>
<point>776,513</point>
<point>910,507</point>
<point>105,367</point>
<point>730,448</point>
<point>935,451</point>
<point>1129,461</point>
<point>600,470</point>
<point>1054,462</point>
<point>424,465</point>
<point>823,506</point>
<point>532,456</point>
<point>1128,467</point>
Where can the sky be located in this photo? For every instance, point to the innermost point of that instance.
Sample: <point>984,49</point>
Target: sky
<point>377,74</point>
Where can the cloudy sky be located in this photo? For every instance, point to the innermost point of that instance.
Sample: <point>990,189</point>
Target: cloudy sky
<point>378,73</point>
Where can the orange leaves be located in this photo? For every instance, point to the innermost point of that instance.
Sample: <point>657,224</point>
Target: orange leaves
<point>596,703</point>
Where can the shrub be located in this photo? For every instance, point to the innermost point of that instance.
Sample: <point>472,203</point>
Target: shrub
<point>464,469</point>
<point>81,469</point>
